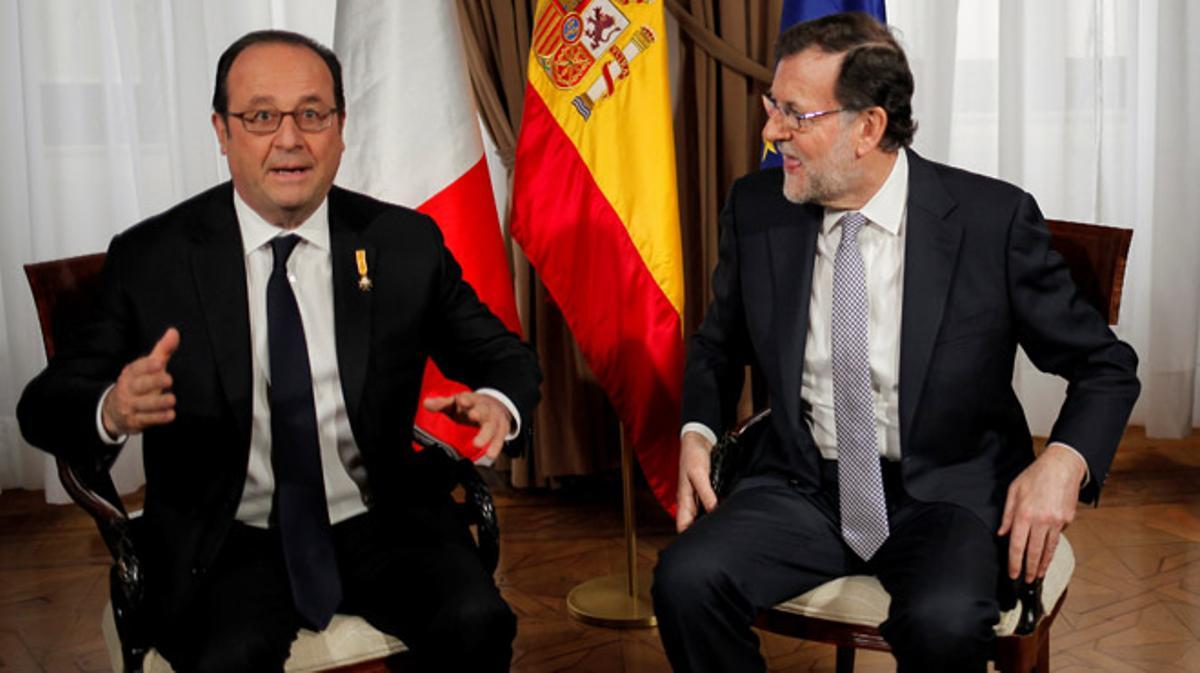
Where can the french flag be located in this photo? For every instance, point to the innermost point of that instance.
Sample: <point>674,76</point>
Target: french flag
<point>413,138</point>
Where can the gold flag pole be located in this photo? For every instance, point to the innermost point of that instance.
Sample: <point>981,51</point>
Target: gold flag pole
<point>620,601</point>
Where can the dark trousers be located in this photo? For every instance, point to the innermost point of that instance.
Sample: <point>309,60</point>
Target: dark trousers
<point>411,573</point>
<point>768,542</point>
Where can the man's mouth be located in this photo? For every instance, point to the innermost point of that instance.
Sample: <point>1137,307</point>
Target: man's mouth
<point>290,171</point>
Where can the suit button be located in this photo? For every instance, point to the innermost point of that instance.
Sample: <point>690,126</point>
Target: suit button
<point>197,571</point>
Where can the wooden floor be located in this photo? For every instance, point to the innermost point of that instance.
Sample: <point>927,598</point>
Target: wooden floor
<point>1134,602</point>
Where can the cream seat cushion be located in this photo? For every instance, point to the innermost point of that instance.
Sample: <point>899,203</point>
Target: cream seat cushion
<point>348,640</point>
<point>860,599</point>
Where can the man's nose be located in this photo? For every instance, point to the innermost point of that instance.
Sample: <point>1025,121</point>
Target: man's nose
<point>288,135</point>
<point>774,130</point>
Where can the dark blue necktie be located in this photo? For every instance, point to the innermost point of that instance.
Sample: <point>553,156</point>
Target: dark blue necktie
<point>300,506</point>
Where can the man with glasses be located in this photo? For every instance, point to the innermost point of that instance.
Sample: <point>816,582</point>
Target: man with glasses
<point>882,296</point>
<point>268,338</point>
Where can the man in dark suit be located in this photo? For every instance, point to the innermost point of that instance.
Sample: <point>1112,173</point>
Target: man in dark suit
<point>883,297</point>
<point>287,325</point>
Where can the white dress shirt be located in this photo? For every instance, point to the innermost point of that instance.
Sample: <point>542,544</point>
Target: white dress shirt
<point>310,272</point>
<point>310,269</point>
<point>881,243</point>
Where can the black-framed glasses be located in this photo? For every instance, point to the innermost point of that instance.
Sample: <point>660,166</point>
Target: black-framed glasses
<point>308,118</point>
<point>793,120</point>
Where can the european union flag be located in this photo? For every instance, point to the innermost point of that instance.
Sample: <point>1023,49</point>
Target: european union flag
<point>795,11</point>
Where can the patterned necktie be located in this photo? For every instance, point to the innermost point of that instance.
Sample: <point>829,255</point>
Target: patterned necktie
<point>860,481</point>
<point>300,507</point>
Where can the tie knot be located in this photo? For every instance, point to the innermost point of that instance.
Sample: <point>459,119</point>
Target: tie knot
<point>851,224</point>
<point>282,247</point>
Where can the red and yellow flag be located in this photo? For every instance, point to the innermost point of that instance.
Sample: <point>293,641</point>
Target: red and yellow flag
<point>595,208</point>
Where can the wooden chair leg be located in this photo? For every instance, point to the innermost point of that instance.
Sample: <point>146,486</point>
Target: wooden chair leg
<point>845,659</point>
<point>1043,657</point>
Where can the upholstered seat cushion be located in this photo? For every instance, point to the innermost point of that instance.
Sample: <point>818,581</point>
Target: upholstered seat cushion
<point>860,599</point>
<point>348,640</point>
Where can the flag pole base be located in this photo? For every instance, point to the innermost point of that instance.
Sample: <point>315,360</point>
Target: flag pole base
<point>605,601</point>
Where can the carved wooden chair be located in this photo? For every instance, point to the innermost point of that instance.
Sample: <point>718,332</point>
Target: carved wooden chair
<point>62,290</point>
<point>846,612</point>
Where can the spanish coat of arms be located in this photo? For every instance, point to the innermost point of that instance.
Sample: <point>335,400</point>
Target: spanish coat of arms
<point>570,37</point>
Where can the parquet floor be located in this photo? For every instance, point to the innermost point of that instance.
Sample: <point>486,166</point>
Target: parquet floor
<point>1134,602</point>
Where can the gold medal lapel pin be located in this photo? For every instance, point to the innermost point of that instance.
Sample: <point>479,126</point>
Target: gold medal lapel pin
<point>364,280</point>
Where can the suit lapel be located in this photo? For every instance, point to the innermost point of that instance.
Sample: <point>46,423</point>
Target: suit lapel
<point>351,304</point>
<point>930,255</point>
<point>219,271</point>
<point>793,243</point>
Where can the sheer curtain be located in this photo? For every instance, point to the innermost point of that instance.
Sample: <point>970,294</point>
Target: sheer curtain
<point>1086,105</point>
<point>106,122</point>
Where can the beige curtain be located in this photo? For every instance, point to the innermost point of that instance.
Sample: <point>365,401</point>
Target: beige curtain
<point>725,50</point>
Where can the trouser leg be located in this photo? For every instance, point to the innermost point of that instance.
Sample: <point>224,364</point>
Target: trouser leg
<point>762,545</point>
<point>242,619</point>
<point>415,573</point>
<point>940,565</point>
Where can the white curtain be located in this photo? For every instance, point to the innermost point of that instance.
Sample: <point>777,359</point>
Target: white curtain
<point>1086,105</point>
<point>106,122</point>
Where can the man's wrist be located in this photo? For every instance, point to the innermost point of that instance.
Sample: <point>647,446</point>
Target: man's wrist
<point>101,429</point>
<point>513,414</point>
<point>701,430</point>
<point>1068,450</point>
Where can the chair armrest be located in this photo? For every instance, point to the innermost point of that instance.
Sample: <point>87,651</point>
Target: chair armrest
<point>92,489</point>
<point>729,453</point>
<point>480,508</point>
<point>481,511</point>
<point>1030,596</point>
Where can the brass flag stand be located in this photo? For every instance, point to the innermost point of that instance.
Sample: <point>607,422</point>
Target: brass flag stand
<point>620,601</point>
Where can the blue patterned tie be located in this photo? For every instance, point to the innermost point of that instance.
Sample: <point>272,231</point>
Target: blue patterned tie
<point>301,511</point>
<point>860,480</point>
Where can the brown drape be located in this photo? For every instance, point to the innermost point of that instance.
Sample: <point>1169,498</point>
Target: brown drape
<point>726,65</point>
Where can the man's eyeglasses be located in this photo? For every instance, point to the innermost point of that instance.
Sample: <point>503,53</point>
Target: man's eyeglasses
<point>793,120</point>
<point>309,119</point>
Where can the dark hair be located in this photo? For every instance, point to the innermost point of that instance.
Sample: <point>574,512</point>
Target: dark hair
<point>874,71</point>
<point>220,100</point>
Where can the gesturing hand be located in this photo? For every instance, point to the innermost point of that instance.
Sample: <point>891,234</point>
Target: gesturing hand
<point>484,411</point>
<point>142,396</point>
<point>695,455</point>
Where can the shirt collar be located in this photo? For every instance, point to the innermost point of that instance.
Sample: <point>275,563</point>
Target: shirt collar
<point>886,208</point>
<point>257,232</point>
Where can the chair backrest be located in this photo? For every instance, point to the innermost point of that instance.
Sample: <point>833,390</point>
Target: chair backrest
<point>63,290</point>
<point>1096,256</point>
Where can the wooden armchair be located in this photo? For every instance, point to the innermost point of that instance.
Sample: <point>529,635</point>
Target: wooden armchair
<point>62,290</point>
<point>846,612</point>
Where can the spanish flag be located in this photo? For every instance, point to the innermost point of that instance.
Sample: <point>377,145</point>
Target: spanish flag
<point>595,208</point>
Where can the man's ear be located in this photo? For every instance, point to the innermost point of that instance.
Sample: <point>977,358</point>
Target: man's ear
<point>221,127</point>
<point>874,122</point>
